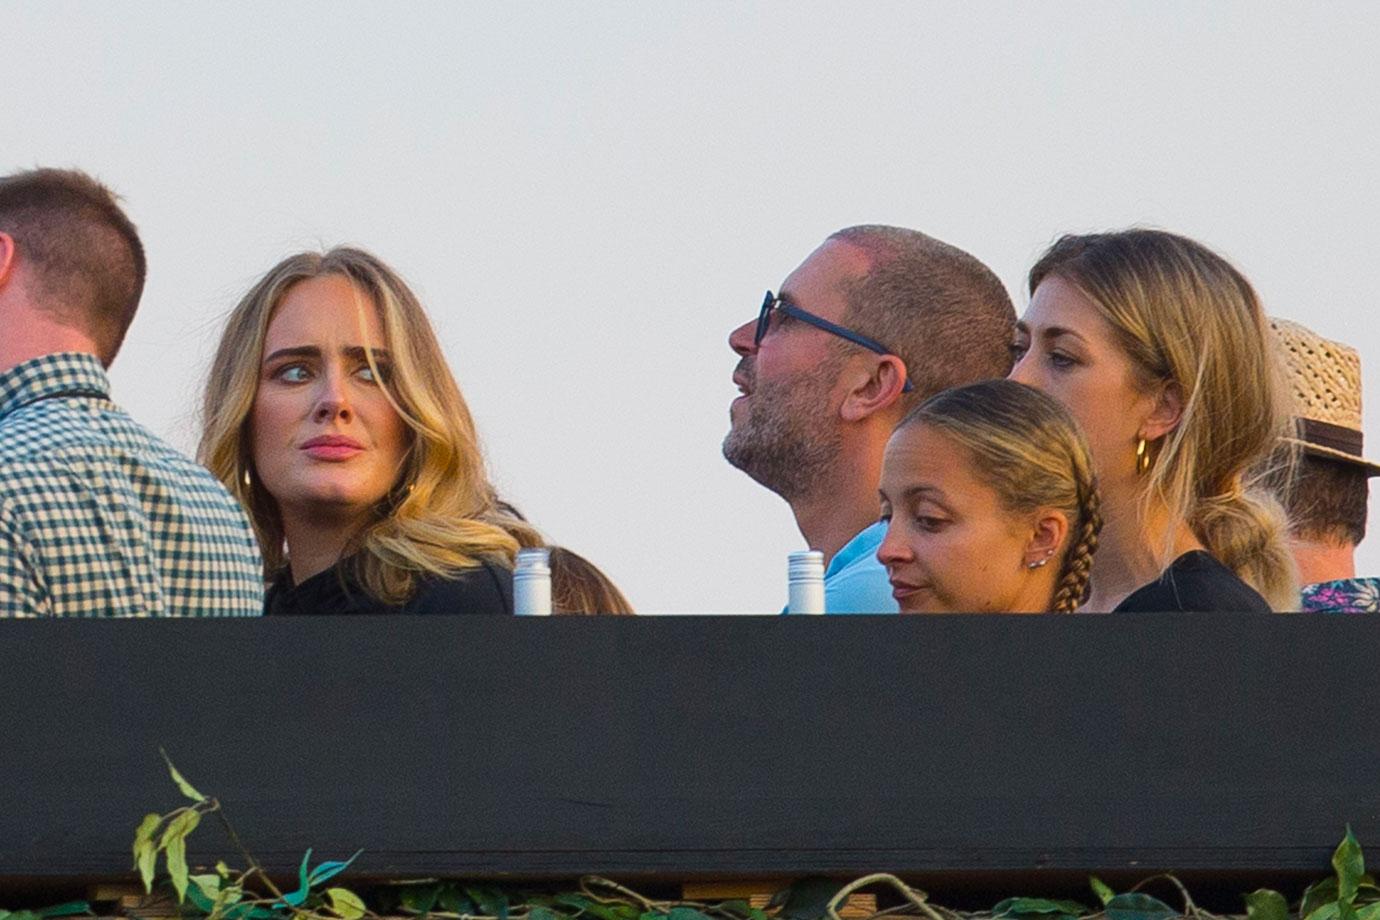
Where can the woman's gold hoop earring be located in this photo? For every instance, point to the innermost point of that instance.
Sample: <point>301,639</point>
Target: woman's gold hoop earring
<point>1142,457</point>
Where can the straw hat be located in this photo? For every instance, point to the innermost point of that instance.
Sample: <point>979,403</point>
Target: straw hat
<point>1325,379</point>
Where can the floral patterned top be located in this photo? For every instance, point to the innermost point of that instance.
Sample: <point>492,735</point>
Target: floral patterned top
<point>1347,595</point>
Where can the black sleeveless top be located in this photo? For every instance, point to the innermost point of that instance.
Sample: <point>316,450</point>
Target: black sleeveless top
<point>485,589</point>
<point>1195,582</point>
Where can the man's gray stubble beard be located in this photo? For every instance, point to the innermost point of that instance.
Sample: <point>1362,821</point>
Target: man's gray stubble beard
<point>782,445</point>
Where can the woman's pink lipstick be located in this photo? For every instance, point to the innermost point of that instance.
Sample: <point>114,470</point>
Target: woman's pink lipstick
<point>332,447</point>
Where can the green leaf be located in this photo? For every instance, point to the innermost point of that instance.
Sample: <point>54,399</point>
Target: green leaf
<point>1101,889</point>
<point>1317,896</point>
<point>1038,907</point>
<point>1264,904</point>
<point>685,913</point>
<point>182,784</point>
<point>180,826</point>
<point>809,898</point>
<point>420,898</point>
<point>574,901</point>
<point>19,915</point>
<point>1349,865</point>
<point>1137,906</point>
<point>454,901</point>
<point>175,853</point>
<point>738,906</point>
<point>66,909</point>
<point>222,869</point>
<point>757,913</point>
<point>1369,912</point>
<point>651,915</point>
<point>209,885</point>
<point>543,913</point>
<point>145,851</point>
<point>491,901</point>
<point>345,903</point>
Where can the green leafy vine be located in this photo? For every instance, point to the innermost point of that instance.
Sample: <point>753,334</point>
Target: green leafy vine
<point>249,893</point>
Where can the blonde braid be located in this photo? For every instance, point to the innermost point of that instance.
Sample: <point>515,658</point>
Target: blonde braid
<point>1077,568</point>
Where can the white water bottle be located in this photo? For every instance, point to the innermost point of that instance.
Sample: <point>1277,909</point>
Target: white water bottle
<point>805,576</point>
<point>532,583</point>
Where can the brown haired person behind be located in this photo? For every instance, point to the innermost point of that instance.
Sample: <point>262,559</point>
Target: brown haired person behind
<point>331,413</point>
<point>1327,495</point>
<point>990,504</point>
<point>579,588</point>
<point>1158,347</point>
<point>98,517</point>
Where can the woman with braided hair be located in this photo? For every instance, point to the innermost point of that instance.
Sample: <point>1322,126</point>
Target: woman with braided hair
<point>990,502</point>
<point>1158,346</point>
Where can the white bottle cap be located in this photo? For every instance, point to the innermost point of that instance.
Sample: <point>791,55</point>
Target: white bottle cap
<point>532,583</point>
<point>805,581</point>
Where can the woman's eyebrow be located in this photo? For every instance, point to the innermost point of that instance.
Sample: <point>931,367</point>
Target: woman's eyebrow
<point>296,351</point>
<point>357,352</point>
<point>1054,332</point>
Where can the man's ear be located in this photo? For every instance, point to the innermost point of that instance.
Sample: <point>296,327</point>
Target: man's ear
<point>8,258</point>
<point>1166,413</point>
<point>1051,527</point>
<point>874,387</point>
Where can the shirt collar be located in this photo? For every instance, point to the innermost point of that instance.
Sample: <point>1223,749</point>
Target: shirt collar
<point>864,544</point>
<point>67,373</point>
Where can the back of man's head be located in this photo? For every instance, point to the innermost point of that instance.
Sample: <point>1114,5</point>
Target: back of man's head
<point>938,308</point>
<point>84,262</point>
<point>1326,500</point>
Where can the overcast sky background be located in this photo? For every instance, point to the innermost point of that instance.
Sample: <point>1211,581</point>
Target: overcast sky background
<point>589,197</point>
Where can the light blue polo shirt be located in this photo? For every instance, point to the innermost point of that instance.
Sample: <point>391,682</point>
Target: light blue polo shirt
<point>855,582</point>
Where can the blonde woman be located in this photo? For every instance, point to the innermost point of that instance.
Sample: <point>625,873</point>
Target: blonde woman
<point>1159,348</point>
<point>332,416</point>
<point>990,502</point>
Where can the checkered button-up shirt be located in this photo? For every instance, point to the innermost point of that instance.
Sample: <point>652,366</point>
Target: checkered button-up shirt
<point>98,517</point>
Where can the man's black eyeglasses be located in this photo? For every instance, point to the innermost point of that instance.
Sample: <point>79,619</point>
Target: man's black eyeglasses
<point>773,302</point>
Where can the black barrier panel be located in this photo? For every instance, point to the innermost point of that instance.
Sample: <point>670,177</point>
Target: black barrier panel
<point>686,746</point>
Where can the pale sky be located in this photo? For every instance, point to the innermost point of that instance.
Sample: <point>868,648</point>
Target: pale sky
<point>589,197</point>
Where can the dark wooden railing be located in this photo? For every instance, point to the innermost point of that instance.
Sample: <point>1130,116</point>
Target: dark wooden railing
<point>685,747</point>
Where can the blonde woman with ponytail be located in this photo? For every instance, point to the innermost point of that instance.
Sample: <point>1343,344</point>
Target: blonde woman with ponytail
<point>1159,348</point>
<point>991,504</point>
<point>331,414</point>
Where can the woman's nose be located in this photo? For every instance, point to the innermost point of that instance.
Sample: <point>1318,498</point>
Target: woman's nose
<point>332,400</point>
<point>893,548</point>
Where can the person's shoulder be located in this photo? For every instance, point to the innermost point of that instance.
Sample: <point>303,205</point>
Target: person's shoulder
<point>861,586</point>
<point>486,588</point>
<point>1345,595</point>
<point>1196,582</point>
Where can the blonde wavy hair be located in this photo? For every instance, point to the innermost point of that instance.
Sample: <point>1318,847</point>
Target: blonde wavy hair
<point>1185,316</point>
<point>1028,449</point>
<point>442,515</point>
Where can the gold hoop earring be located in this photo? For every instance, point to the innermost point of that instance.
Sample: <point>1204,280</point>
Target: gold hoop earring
<point>1142,457</point>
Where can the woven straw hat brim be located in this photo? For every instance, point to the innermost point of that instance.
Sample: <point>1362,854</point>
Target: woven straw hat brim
<point>1327,453</point>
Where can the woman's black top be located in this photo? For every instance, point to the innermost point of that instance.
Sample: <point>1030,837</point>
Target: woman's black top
<point>1195,582</point>
<point>487,588</point>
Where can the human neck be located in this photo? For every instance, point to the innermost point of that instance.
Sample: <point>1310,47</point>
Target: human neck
<point>315,541</point>
<point>1323,560</point>
<point>842,504</point>
<point>1129,547</point>
<point>32,333</point>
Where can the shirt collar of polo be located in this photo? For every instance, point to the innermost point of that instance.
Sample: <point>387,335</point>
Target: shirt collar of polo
<point>67,373</point>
